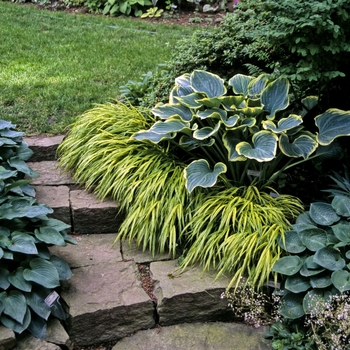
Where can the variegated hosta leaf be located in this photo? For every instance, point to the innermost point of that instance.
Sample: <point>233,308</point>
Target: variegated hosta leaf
<point>256,86</point>
<point>284,124</point>
<point>184,80</point>
<point>332,124</point>
<point>308,103</point>
<point>231,139</point>
<point>250,112</point>
<point>213,102</point>
<point>179,90</point>
<point>240,83</point>
<point>231,121</point>
<point>152,136</point>
<point>212,113</point>
<point>275,97</point>
<point>248,122</point>
<point>198,173</point>
<point>169,126</point>
<point>332,151</point>
<point>190,101</point>
<point>263,149</point>
<point>190,143</point>
<point>210,84</point>
<point>206,132</point>
<point>166,111</point>
<point>302,146</point>
<point>231,102</point>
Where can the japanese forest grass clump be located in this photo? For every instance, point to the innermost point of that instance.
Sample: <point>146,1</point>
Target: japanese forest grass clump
<point>29,274</point>
<point>213,151</point>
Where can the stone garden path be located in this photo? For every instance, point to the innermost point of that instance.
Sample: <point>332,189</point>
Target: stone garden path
<point>105,298</point>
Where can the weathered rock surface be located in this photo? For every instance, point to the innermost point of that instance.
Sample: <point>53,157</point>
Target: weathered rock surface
<point>207,336</point>
<point>27,342</point>
<point>188,297</point>
<point>7,339</point>
<point>56,334</point>
<point>44,148</point>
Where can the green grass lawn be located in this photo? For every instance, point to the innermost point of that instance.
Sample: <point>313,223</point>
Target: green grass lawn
<point>55,65</point>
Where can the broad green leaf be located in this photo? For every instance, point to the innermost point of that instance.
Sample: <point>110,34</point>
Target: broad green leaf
<point>240,83</point>
<point>179,91</point>
<point>342,231</point>
<point>212,113</point>
<point>17,280</point>
<point>310,268</point>
<point>213,102</point>
<point>63,269</point>
<point>21,165</point>
<point>314,238</point>
<point>210,84</point>
<point>165,111</point>
<point>329,258</point>
<point>5,173</point>
<point>231,139</point>
<point>302,146</point>
<point>36,301</point>
<point>323,214</point>
<point>198,173</point>
<point>332,124</point>
<point>15,305</point>
<point>292,242</point>
<point>257,85</point>
<point>37,327</point>
<point>297,284</point>
<point>169,126</point>
<point>231,102</point>
<point>4,124</point>
<point>308,103</point>
<point>42,272</point>
<point>332,151</point>
<point>303,222</point>
<point>314,301</point>
<point>341,205</point>
<point>321,281</point>
<point>184,80</point>
<point>206,132</point>
<point>250,112</point>
<point>152,136</point>
<point>283,124</point>
<point>288,265</point>
<point>190,101</point>
<point>291,306</point>
<point>14,325</point>
<point>24,152</point>
<point>263,148</point>
<point>275,97</point>
<point>4,282</point>
<point>341,280</point>
<point>23,244</point>
<point>231,121</point>
<point>190,143</point>
<point>56,224</point>
<point>50,236</point>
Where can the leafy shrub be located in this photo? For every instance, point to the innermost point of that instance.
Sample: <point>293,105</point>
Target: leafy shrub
<point>28,272</point>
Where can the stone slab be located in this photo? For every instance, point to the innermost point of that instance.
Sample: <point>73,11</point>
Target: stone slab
<point>90,250</point>
<point>106,302</point>
<point>91,215</point>
<point>50,174</point>
<point>7,338</point>
<point>44,148</point>
<point>56,197</point>
<point>208,336</point>
<point>56,334</point>
<point>192,296</point>
<point>27,342</point>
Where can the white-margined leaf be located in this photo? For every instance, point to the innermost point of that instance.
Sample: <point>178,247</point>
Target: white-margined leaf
<point>206,132</point>
<point>231,139</point>
<point>240,83</point>
<point>210,84</point>
<point>303,146</point>
<point>283,124</point>
<point>165,111</point>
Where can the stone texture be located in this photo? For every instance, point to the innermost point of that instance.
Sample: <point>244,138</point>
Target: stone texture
<point>106,302</point>
<point>27,342</point>
<point>90,250</point>
<point>209,336</point>
<point>7,338</point>
<point>56,197</point>
<point>192,296</point>
<point>50,174</point>
<point>44,148</point>
<point>56,334</point>
<point>91,215</point>
<point>140,257</point>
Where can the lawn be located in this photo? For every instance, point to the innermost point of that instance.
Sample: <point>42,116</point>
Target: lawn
<point>56,65</point>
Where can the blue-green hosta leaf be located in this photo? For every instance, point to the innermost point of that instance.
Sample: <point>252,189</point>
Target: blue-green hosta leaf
<point>43,251</point>
<point>231,121</point>
<point>63,269</point>
<point>17,280</point>
<point>329,258</point>
<point>23,243</point>
<point>257,85</point>
<point>15,305</point>
<point>342,231</point>
<point>308,102</point>
<point>190,101</point>
<point>288,265</point>
<point>190,143</point>
<point>291,306</point>
<point>169,126</point>
<point>263,148</point>
<point>297,284</point>
<point>331,151</point>
<point>7,141</point>
<point>4,124</point>
<point>36,301</point>
<point>3,295</point>
<point>239,83</point>
<point>184,80</point>
<point>179,91</point>
<point>230,103</point>
<point>231,139</point>
<point>341,205</point>
<point>37,327</point>
<point>49,235</point>
<point>314,238</point>
<point>292,242</point>
<point>303,222</point>
<point>315,299</point>
<point>284,124</point>
<point>206,132</point>
<point>152,136</point>
<point>68,238</point>
<point>213,102</point>
<point>321,281</point>
<point>4,231</point>
<point>20,209</point>
<point>14,325</point>
<point>21,165</point>
<point>198,173</point>
<point>5,173</point>
<point>56,224</point>
<point>323,214</point>
<point>11,133</point>
<point>42,272</point>
<point>332,124</point>
<point>4,282</point>
<point>24,152</point>
<point>341,280</point>
<point>250,112</point>
<point>247,123</point>
<point>310,268</point>
<point>213,113</point>
<point>210,84</point>
<point>166,111</point>
<point>275,97</point>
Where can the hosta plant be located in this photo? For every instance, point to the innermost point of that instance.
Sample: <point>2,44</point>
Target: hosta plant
<point>29,274</point>
<point>242,133</point>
